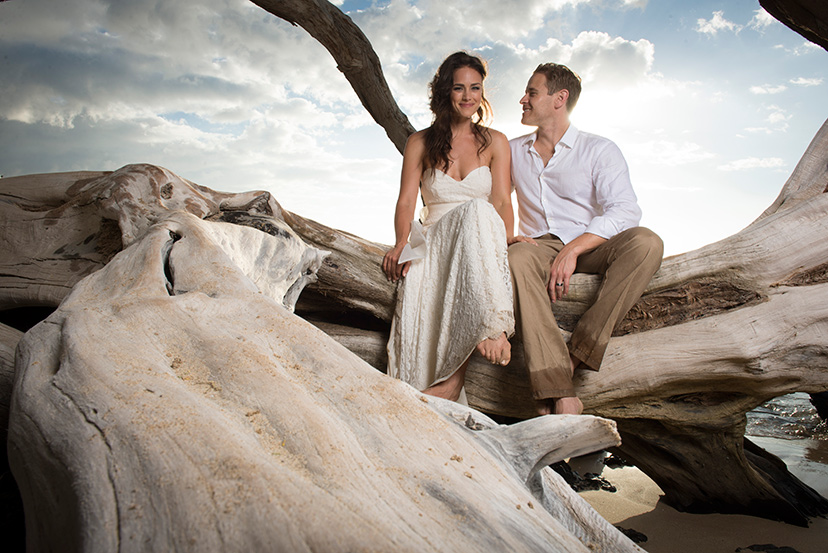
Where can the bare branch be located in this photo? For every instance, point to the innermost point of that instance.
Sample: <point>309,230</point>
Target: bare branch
<point>354,56</point>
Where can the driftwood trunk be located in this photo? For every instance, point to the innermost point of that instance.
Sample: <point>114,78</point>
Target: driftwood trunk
<point>174,403</point>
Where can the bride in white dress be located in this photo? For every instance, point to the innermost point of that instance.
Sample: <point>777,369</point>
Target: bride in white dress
<point>456,291</point>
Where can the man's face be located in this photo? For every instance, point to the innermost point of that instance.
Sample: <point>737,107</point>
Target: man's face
<point>538,104</point>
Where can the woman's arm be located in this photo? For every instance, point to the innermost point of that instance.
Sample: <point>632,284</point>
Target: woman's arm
<point>412,170</point>
<point>501,166</point>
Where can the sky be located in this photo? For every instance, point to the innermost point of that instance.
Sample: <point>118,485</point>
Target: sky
<point>713,103</point>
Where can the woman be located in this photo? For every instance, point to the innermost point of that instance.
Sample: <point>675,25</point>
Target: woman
<point>456,294</point>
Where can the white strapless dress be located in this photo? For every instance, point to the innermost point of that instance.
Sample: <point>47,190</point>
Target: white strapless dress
<point>458,291</point>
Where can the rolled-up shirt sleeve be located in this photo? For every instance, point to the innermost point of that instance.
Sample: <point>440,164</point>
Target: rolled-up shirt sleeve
<point>614,193</point>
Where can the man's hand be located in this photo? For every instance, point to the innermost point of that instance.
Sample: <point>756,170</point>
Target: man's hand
<point>563,266</point>
<point>390,263</point>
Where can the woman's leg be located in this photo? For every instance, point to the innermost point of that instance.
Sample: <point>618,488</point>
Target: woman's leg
<point>451,387</point>
<point>498,351</point>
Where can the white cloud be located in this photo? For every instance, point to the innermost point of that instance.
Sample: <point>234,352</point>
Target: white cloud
<point>777,115</point>
<point>777,119</point>
<point>413,33</point>
<point>761,20</point>
<point>768,89</point>
<point>802,49</point>
<point>666,152</point>
<point>715,24</point>
<point>221,60</point>
<point>753,163</point>
<point>612,61</point>
<point>802,81</point>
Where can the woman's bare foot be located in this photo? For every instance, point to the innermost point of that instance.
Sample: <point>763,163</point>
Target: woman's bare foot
<point>451,387</point>
<point>497,351</point>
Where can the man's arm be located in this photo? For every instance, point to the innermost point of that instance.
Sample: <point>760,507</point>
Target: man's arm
<point>613,192</point>
<point>615,195</point>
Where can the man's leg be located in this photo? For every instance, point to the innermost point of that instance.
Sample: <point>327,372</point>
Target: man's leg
<point>547,357</point>
<point>628,262</point>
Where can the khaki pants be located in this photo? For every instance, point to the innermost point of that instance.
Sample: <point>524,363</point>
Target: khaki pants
<point>627,262</point>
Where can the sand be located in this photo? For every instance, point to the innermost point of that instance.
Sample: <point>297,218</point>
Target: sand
<point>637,505</point>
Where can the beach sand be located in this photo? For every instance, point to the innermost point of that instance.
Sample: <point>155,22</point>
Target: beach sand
<point>636,506</point>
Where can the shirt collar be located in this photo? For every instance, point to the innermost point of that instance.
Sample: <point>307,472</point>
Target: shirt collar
<point>570,136</point>
<point>567,140</point>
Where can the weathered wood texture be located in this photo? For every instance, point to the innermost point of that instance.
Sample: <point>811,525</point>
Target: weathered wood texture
<point>354,57</point>
<point>174,403</point>
<point>9,337</point>
<point>58,228</point>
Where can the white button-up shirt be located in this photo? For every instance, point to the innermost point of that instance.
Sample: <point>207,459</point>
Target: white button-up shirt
<point>585,187</point>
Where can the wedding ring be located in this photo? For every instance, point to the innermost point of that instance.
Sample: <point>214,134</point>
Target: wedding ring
<point>559,284</point>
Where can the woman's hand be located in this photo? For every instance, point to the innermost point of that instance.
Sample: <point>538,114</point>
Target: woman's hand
<point>391,266</point>
<point>515,239</point>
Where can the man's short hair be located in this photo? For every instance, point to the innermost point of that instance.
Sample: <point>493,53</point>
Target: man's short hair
<point>560,77</point>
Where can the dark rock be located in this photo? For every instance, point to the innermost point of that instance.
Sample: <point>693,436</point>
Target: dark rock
<point>634,535</point>
<point>585,483</point>
<point>820,402</point>
<point>613,461</point>
<point>768,548</point>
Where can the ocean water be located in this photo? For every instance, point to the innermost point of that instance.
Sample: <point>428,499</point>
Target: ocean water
<point>790,428</point>
<point>789,417</point>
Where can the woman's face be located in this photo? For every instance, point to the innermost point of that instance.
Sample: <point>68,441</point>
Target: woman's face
<point>466,92</point>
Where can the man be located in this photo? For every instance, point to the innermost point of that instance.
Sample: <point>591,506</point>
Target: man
<point>578,212</point>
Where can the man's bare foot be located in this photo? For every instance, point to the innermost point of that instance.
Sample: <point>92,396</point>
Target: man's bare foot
<point>449,388</point>
<point>497,351</point>
<point>562,405</point>
<point>568,406</point>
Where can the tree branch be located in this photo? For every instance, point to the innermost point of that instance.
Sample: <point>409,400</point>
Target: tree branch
<point>354,56</point>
